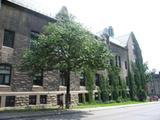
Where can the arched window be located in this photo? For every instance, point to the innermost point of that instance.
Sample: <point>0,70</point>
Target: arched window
<point>5,74</point>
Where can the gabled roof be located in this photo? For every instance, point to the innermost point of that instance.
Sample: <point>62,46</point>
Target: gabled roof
<point>121,40</point>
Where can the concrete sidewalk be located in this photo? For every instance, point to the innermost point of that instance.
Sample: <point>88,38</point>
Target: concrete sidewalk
<point>18,115</point>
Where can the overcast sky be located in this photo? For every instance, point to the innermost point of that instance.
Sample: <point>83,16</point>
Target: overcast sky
<point>140,16</point>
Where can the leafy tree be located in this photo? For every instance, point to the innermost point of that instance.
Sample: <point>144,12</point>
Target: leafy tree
<point>67,46</point>
<point>139,68</point>
<point>90,75</point>
<point>103,89</point>
<point>113,73</point>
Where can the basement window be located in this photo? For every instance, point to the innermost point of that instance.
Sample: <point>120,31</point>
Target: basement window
<point>80,98</point>
<point>43,99</point>
<point>10,101</point>
<point>32,99</point>
<point>0,101</point>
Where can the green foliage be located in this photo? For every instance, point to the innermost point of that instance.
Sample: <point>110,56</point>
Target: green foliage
<point>90,75</point>
<point>104,89</point>
<point>132,85</point>
<point>113,73</point>
<point>139,75</point>
<point>65,45</point>
<point>142,95</point>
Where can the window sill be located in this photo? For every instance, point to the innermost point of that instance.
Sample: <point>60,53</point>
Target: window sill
<point>5,86</point>
<point>7,47</point>
<point>62,86</point>
<point>37,86</point>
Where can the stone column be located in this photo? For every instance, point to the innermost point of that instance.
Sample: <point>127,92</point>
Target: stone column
<point>3,100</point>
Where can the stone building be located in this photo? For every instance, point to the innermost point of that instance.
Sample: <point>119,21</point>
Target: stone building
<point>18,26</point>
<point>154,85</point>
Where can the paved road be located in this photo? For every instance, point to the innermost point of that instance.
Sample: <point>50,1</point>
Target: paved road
<point>149,111</point>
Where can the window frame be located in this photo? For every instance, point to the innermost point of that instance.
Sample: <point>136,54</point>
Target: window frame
<point>43,99</point>
<point>9,102</point>
<point>38,78</point>
<point>31,98</point>
<point>97,79</point>
<point>33,35</point>
<point>126,65</point>
<point>5,40</point>
<point>62,78</point>
<point>5,74</point>
<point>82,79</point>
<point>119,61</point>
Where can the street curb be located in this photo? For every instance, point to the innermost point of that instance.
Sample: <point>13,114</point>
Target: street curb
<point>115,107</point>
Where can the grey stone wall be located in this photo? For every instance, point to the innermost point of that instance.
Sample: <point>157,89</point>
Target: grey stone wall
<point>74,99</point>
<point>51,81</point>
<point>22,100</point>
<point>123,53</point>
<point>52,99</point>
<point>75,81</point>
<point>153,86</point>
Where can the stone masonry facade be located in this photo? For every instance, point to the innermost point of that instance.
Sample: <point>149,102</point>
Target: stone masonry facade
<point>21,92</point>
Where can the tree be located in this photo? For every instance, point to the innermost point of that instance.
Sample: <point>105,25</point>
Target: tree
<point>103,89</point>
<point>113,73</point>
<point>67,46</point>
<point>139,69</point>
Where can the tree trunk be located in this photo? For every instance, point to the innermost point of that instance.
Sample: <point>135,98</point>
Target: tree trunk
<point>68,96</point>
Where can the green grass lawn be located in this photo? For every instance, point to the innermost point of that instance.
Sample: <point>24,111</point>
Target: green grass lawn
<point>93,105</point>
<point>80,106</point>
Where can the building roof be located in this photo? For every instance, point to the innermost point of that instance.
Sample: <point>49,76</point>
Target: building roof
<point>30,6</point>
<point>121,40</point>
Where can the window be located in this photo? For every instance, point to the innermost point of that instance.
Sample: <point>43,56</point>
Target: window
<point>111,62</point>
<point>43,99</point>
<point>8,38</point>
<point>82,79</point>
<point>80,98</point>
<point>120,82</point>
<point>32,99</point>
<point>97,76</point>
<point>38,79</point>
<point>62,78</point>
<point>33,35</point>
<point>5,74</point>
<point>116,59</point>
<point>60,99</point>
<point>126,66</point>
<point>110,79</point>
<point>119,60</point>
<point>10,101</point>
<point>96,96</point>
<point>0,101</point>
<point>86,97</point>
<point>127,81</point>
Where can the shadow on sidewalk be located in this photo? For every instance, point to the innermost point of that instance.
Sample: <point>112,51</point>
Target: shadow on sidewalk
<point>43,115</point>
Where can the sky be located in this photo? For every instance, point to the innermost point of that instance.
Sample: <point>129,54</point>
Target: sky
<point>139,16</point>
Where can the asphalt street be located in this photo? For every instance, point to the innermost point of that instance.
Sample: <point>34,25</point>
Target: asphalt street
<point>149,111</point>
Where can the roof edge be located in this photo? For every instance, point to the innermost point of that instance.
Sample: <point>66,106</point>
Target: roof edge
<point>12,4</point>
